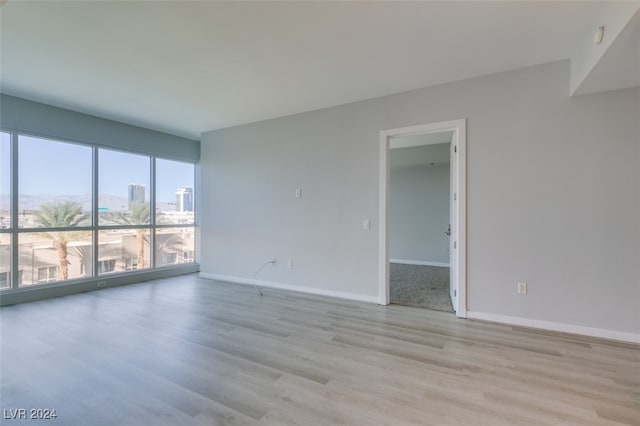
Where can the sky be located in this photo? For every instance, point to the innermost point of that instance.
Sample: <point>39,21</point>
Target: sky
<point>56,168</point>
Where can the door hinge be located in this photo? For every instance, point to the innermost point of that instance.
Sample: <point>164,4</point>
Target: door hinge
<point>455,244</point>
<point>455,293</point>
<point>455,197</point>
<point>455,148</point>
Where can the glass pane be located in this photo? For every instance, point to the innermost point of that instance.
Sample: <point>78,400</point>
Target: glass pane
<point>123,188</point>
<point>54,256</point>
<point>122,250</point>
<point>5,260</point>
<point>175,246</point>
<point>174,192</point>
<point>5,180</point>
<point>54,181</point>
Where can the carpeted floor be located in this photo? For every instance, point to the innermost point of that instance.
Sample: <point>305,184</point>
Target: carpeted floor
<point>424,287</point>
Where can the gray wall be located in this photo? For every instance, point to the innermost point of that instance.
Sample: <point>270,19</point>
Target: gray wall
<point>45,120</point>
<point>553,195</point>
<point>419,212</point>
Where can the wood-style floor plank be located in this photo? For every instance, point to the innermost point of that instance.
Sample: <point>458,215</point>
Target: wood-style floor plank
<point>187,351</point>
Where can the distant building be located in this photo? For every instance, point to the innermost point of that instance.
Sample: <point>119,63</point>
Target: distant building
<point>184,199</point>
<point>136,194</point>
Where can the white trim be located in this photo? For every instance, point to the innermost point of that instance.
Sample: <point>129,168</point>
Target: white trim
<point>459,281</point>
<point>291,287</point>
<point>460,139</point>
<point>556,326</point>
<point>419,262</point>
<point>383,243</point>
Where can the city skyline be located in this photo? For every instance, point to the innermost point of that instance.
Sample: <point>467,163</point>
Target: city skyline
<point>183,204</point>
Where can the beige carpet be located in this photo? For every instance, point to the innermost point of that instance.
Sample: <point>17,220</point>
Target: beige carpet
<point>419,286</point>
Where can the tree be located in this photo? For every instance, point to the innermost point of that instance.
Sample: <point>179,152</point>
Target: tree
<point>65,214</point>
<point>138,214</point>
<point>167,244</point>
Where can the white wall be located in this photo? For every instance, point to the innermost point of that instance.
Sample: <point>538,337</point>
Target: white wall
<point>419,211</point>
<point>553,195</point>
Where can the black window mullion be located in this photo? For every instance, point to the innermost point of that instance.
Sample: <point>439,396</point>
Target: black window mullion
<point>14,210</point>
<point>152,215</point>
<point>94,222</point>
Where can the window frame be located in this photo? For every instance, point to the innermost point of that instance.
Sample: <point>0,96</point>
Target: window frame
<point>15,279</point>
<point>49,278</point>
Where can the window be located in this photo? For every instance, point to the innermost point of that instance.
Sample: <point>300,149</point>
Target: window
<point>48,274</point>
<point>123,188</point>
<point>106,266</point>
<point>132,264</point>
<point>70,251</point>
<point>123,245</point>
<point>54,184</point>
<point>187,256</point>
<point>173,241</point>
<point>5,279</point>
<point>170,258</point>
<point>175,208</point>
<point>5,210</point>
<point>5,260</point>
<point>5,180</point>
<point>175,201</point>
<point>56,235</point>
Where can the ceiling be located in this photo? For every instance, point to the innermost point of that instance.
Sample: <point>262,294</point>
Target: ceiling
<point>619,68</point>
<point>422,139</point>
<point>420,156</point>
<point>189,67</point>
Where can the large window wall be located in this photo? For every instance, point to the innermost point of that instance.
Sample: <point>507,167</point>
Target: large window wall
<point>72,211</point>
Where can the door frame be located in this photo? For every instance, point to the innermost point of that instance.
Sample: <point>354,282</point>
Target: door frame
<point>458,227</point>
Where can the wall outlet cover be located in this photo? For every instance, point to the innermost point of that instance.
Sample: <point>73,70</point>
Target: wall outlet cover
<point>522,288</point>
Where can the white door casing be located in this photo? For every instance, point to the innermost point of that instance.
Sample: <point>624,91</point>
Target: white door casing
<point>453,291</point>
<point>457,252</point>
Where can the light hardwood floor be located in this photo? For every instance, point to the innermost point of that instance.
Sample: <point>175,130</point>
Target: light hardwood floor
<point>185,351</point>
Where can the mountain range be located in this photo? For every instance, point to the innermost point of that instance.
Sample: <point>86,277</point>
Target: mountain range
<point>107,202</point>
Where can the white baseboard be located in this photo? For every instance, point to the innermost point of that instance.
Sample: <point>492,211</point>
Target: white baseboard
<point>419,262</point>
<point>556,326</point>
<point>283,286</point>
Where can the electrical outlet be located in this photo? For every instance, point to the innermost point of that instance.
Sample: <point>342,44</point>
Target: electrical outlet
<point>298,192</point>
<point>102,284</point>
<point>289,264</point>
<point>522,288</point>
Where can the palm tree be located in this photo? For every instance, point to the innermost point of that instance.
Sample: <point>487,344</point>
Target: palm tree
<point>168,243</point>
<point>138,214</point>
<point>65,214</point>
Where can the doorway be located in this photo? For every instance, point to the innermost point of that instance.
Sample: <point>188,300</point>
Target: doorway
<point>414,145</point>
<point>420,221</point>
